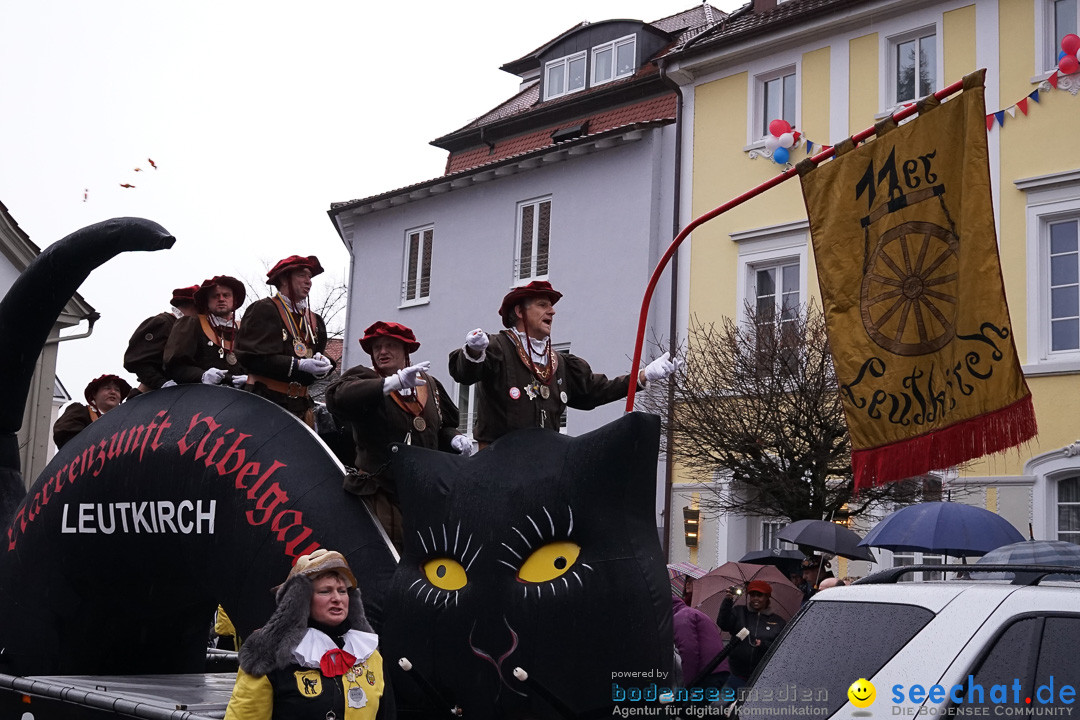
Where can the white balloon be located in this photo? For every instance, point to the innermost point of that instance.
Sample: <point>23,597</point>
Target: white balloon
<point>787,140</point>
<point>772,142</point>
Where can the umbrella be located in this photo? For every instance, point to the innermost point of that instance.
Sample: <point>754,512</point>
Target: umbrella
<point>678,572</point>
<point>943,527</point>
<point>710,589</point>
<point>827,537</point>
<point>1034,552</point>
<point>788,561</point>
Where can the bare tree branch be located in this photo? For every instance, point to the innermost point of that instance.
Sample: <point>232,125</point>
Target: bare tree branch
<point>758,403</point>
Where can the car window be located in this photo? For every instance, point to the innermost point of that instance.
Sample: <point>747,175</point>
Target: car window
<point>1031,664</point>
<point>828,647</point>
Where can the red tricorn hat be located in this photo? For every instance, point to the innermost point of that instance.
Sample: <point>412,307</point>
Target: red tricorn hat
<point>541,288</point>
<point>98,382</point>
<point>202,295</point>
<point>759,586</point>
<point>293,262</point>
<point>392,330</point>
<point>184,295</point>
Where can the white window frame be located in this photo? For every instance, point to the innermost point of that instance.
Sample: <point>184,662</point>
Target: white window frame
<point>614,46</point>
<point>769,246</point>
<point>891,45</point>
<point>519,278</point>
<point>407,275</point>
<point>759,130</point>
<point>565,62</point>
<point>1044,472</point>
<point>1047,45</point>
<point>769,529</point>
<point>1050,198</point>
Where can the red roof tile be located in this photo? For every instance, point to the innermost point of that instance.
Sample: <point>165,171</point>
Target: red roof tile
<point>657,108</point>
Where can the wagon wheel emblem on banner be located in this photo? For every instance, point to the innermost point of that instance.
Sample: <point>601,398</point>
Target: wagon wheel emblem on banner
<point>910,288</point>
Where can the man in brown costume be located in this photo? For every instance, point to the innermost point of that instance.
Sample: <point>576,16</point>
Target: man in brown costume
<point>144,357</point>
<point>392,401</point>
<point>200,347</point>
<point>102,394</point>
<point>281,342</point>
<point>522,381</point>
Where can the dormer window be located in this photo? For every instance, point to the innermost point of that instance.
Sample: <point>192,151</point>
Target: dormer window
<point>614,60</point>
<point>564,76</point>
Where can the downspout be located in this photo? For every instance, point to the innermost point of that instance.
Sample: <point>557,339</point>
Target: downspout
<point>673,320</point>
<point>91,318</point>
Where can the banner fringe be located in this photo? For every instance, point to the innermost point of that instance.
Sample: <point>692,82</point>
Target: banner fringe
<point>986,434</point>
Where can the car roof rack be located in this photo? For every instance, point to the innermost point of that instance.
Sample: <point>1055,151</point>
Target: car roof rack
<point>1022,574</point>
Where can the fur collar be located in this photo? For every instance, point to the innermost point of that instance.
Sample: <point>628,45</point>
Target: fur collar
<point>271,646</point>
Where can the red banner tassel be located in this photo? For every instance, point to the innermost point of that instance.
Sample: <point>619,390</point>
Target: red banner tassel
<point>336,662</point>
<point>983,435</point>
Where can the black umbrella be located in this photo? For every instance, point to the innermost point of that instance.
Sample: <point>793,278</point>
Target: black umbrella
<point>827,537</point>
<point>788,561</point>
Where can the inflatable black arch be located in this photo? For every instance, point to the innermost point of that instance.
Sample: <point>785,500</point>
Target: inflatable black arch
<point>184,498</point>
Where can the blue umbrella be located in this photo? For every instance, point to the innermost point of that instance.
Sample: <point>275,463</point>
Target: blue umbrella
<point>1035,552</point>
<point>947,528</point>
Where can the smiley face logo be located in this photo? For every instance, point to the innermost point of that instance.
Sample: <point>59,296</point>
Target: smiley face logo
<point>862,693</point>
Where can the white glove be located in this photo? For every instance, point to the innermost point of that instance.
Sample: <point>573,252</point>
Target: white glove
<point>477,340</point>
<point>318,366</point>
<point>239,380</point>
<point>406,378</point>
<point>213,376</point>
<point>660,368</point>
<point>462,444</point>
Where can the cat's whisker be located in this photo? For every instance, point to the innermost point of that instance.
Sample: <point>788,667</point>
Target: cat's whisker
<point>445,542</point>
<point>428,594</point>
<point>512,550</point>
<point>413,583</point>
<point>468,541</point>
<point>422,543</point>
<point>457,534</point>
<point>508,565</point>
<point>528,545</point>
<point>587,566</point>
<point>578,579</point>
<point>418,591</point>
<point>565,584</point>
<point>432,531</point>
<point>475,554</point>
<point>571,530</point>
<point>550,522</point>
<point>537,529</point>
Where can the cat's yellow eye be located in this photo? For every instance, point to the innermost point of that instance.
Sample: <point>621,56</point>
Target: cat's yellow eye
<point>549,562</point>
<point>445,574</point>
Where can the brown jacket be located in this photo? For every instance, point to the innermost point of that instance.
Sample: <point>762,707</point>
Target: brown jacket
<point>189,352</point>
<point>377,421</point>
<point>503,398</point>
<point>76,418</point>
<point>145,350</point>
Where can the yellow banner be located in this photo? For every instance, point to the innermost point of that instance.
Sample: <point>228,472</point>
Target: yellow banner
<point>903,235</point>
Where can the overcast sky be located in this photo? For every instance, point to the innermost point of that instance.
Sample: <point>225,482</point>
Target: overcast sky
<point>258,115</point>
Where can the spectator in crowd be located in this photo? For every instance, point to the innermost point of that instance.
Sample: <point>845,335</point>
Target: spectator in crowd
<point>758,619</point>
<point>102,394</point>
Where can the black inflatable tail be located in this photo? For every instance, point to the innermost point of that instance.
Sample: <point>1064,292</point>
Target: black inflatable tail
<point>29,311</point>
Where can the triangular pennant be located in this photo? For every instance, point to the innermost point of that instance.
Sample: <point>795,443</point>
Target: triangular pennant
<point>989,122</point>
<point>1000,115</point>
<point>1022,105</point>
<point>809,147</point>
<point>1011,111</point>
<point>1034,95</point>
<point>1053,80</point>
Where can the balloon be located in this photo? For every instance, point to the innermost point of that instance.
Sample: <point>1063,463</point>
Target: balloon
<point>1061,55</point>
<point>781,155</point>
<point>1070,44</point>
<point>771,143</point>
<point>778,127</point>
<point>1068,65</point>
<point>787,140</point>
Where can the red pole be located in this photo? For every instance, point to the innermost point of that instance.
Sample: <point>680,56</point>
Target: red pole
<point>770,183</point>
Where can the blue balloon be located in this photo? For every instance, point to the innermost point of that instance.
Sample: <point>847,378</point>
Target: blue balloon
<point>781,155</point>
<point>1061,55</point>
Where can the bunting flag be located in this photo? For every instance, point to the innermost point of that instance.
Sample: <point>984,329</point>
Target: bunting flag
<point>903,236</point>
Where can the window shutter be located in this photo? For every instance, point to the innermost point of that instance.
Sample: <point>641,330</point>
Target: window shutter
<point>525,268</point>
<point>425,269</point>
<point>543,233</point>
<point>410,280</point>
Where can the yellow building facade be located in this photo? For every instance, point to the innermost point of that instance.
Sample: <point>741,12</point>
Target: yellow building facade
<point>833,68</point>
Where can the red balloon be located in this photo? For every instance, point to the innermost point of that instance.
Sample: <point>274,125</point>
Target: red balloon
<point>1068,65</point>
<point>778,127</point>
<point>1070,44</point>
